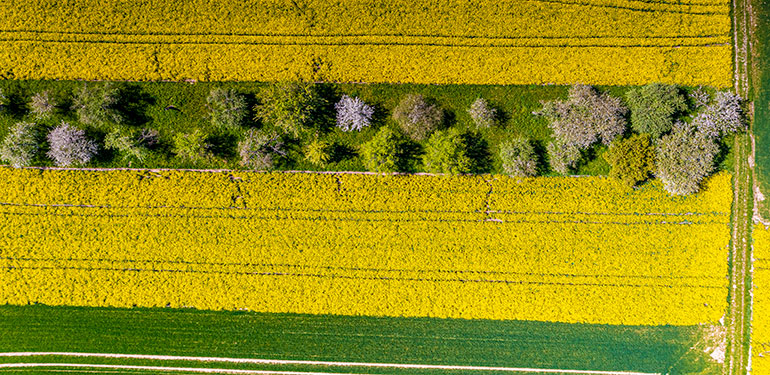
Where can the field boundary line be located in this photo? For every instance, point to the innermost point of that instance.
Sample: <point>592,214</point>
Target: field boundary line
<point>319,363</point>
<point>372,220</point>
<point>386,211</point>
<point>292,171</point>
<point>353,35</point>
<point>370,44</point>
<point>169,369</point>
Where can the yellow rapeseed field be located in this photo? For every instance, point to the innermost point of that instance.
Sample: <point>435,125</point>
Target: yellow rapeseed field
<point>551,248</point>
<point>613,42</point>
<point>760,316</point>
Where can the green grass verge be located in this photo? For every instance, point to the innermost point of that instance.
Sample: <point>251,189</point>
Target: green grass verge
<point>52,359</point>
<point>146,104</point>
<point>762,102</point>
<point>348,339</point>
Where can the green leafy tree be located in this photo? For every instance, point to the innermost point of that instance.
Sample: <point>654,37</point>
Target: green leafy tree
<point>318,152</point>
<point>418,118</point>
<point>227,108</point>
<point>446,152</point>
<point>191,146</point>
<point>632,159</point>
<point>684,158</point>
<point>96,105</point>
<point>383,153</point>
<point>518,157</point>
<point>290,106</point>
<point>654,107</point>
<point>130,144</point>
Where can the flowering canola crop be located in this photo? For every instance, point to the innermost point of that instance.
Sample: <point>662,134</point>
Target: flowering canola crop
<point>488,247</point>
<point>613,42</point>
<point>760,316</point>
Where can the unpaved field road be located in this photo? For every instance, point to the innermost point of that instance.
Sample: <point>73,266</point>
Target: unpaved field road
<point>738,315</point>
<point>322,364</point>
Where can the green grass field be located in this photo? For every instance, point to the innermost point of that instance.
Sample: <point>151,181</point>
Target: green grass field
<point>147,102</point>
<point>761,89</point>
<point>344,339</point>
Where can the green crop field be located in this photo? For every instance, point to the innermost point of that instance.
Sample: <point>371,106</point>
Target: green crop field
<point>344,339</point>
<point>761,90</point>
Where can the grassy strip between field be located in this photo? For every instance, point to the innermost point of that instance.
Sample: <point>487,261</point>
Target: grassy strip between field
<point>292,337</point>
<point>145,105</point>
<point>738,321</point>
<point>760,324</point>
<point>761,94</point>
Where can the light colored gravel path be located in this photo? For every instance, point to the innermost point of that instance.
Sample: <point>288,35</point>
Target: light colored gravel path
<point>292,362</point>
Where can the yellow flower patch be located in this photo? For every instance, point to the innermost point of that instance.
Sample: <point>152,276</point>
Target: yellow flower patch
<point>611,42</point>
<point>561,249</point>
<point>760,319</point>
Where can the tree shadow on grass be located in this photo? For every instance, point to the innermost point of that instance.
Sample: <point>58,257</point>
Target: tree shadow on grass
<point>450,119</point>
<point>250,118</point>
<point>325,116</point>
<point>104,155</point>
<point>477,149</point>
<point>724,151</point>
<point>132,104</point>
<point>223,144</point>
<point>541,155</point>
<point>409,157</point>
<point>16,107</point>
<point>341,152</point>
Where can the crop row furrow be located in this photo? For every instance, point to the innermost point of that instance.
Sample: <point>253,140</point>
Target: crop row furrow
<point>652,7</point>
<point>371,211</point>
<point>150,263</point>
<point>375,278</point>
<point>577,43</point>
<point>361,219</point>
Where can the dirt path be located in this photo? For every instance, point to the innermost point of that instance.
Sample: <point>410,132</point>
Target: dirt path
<point>740,265</point>
<point>291,362</point>
<point>738,315</point>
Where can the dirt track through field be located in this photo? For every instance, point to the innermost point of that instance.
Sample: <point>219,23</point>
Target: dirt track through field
<point>281,362</point>
<point>740,250</point>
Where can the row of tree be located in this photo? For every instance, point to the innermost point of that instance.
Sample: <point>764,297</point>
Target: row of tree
<point>679,149</point>
<point>651,132</point>
<point>285,110</point>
